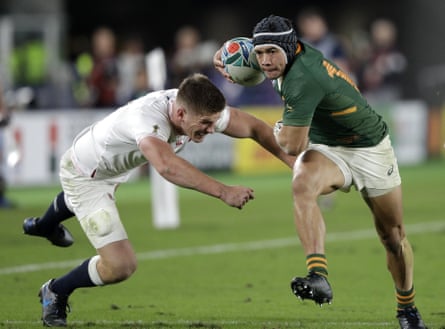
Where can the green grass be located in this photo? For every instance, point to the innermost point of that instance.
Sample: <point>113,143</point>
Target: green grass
<point>243,282</point>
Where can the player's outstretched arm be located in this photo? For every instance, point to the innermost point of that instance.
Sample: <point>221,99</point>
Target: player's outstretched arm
<point>182,173</point>
<point>245,125</point>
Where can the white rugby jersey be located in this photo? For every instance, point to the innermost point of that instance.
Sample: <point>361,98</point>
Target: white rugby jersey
<point>109,147</point>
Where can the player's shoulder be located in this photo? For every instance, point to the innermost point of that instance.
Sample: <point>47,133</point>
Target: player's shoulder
<point>153,100</point>
<point>160,95</point>
<point>311,65</point>
<point>309,52</point>
<point>306,61</point>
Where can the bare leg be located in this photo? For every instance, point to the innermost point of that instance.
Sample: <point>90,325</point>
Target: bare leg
<point>117,262</point>
<point>314,175</point>
<point>388,218</point>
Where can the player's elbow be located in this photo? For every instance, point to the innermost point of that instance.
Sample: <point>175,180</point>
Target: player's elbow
<point>292,145</point>
<point>291,148</point>
<point>286,145</point>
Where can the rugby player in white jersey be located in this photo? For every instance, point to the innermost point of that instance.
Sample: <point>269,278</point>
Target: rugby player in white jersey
<point>150,129</point>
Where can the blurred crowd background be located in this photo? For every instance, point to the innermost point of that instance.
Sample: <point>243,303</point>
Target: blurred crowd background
<point>66,55</point>
<point>75,54</point>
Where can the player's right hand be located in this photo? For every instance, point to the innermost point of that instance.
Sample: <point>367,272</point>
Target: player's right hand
<point>219,65</point>
<point>237,196</point>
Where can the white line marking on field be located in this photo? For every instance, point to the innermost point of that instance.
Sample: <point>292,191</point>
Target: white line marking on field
<point>231,247</point>
<point>202,323</point>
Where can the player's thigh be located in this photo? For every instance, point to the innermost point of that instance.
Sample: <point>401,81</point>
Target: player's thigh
<point>318,172</point>
<point>102,223</point>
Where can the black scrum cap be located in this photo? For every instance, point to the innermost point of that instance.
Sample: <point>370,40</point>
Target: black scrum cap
<point>279,32</point>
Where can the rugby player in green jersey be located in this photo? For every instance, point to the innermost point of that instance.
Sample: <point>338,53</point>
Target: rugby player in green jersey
<point>341,142</point>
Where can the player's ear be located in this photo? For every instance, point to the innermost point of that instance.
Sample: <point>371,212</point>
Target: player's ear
<point>180,112</point>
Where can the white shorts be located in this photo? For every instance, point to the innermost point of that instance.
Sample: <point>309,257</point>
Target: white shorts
<point>372,170</point>
<point>93,203</point>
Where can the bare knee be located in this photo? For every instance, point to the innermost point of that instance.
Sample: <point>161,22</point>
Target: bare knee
<point>304,188</point>
<point>393,240</point>
<point>125,270</point>
<point>310,181</point>
<point>117,270</point>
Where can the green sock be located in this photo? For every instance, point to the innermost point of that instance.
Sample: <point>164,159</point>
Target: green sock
<point>317,263</point>
<point>405,298</point>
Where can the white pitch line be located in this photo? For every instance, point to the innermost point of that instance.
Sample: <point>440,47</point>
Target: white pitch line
<point>194,323</point>
<point>230,247</point>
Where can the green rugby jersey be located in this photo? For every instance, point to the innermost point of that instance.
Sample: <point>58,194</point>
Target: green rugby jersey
<point>318,94</point>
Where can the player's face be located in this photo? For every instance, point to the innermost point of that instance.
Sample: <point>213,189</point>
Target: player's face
<point>198,126</point>
<point>271,60</point>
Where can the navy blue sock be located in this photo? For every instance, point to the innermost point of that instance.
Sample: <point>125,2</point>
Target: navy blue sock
<point>56,213</point>
<point>77,278</point>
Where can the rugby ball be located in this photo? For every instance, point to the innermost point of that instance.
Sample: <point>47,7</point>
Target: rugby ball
<point>240,62</point>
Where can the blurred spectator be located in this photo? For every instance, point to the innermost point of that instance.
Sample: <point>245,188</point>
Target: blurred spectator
<point>141,85</point>
<point>191,54</point>
<point>381,73</point>
<point>4,121</point>
<point>131,70</point>
<point>81,64</point>
<point>29,68</point>
<point>103,80</point>
<point>314,30</point>
<point>262,94</point>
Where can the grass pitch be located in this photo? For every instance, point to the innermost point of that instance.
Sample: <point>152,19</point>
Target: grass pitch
<point>229,268</point>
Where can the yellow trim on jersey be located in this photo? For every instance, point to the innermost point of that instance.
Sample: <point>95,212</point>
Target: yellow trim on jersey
<point>349,110</point>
